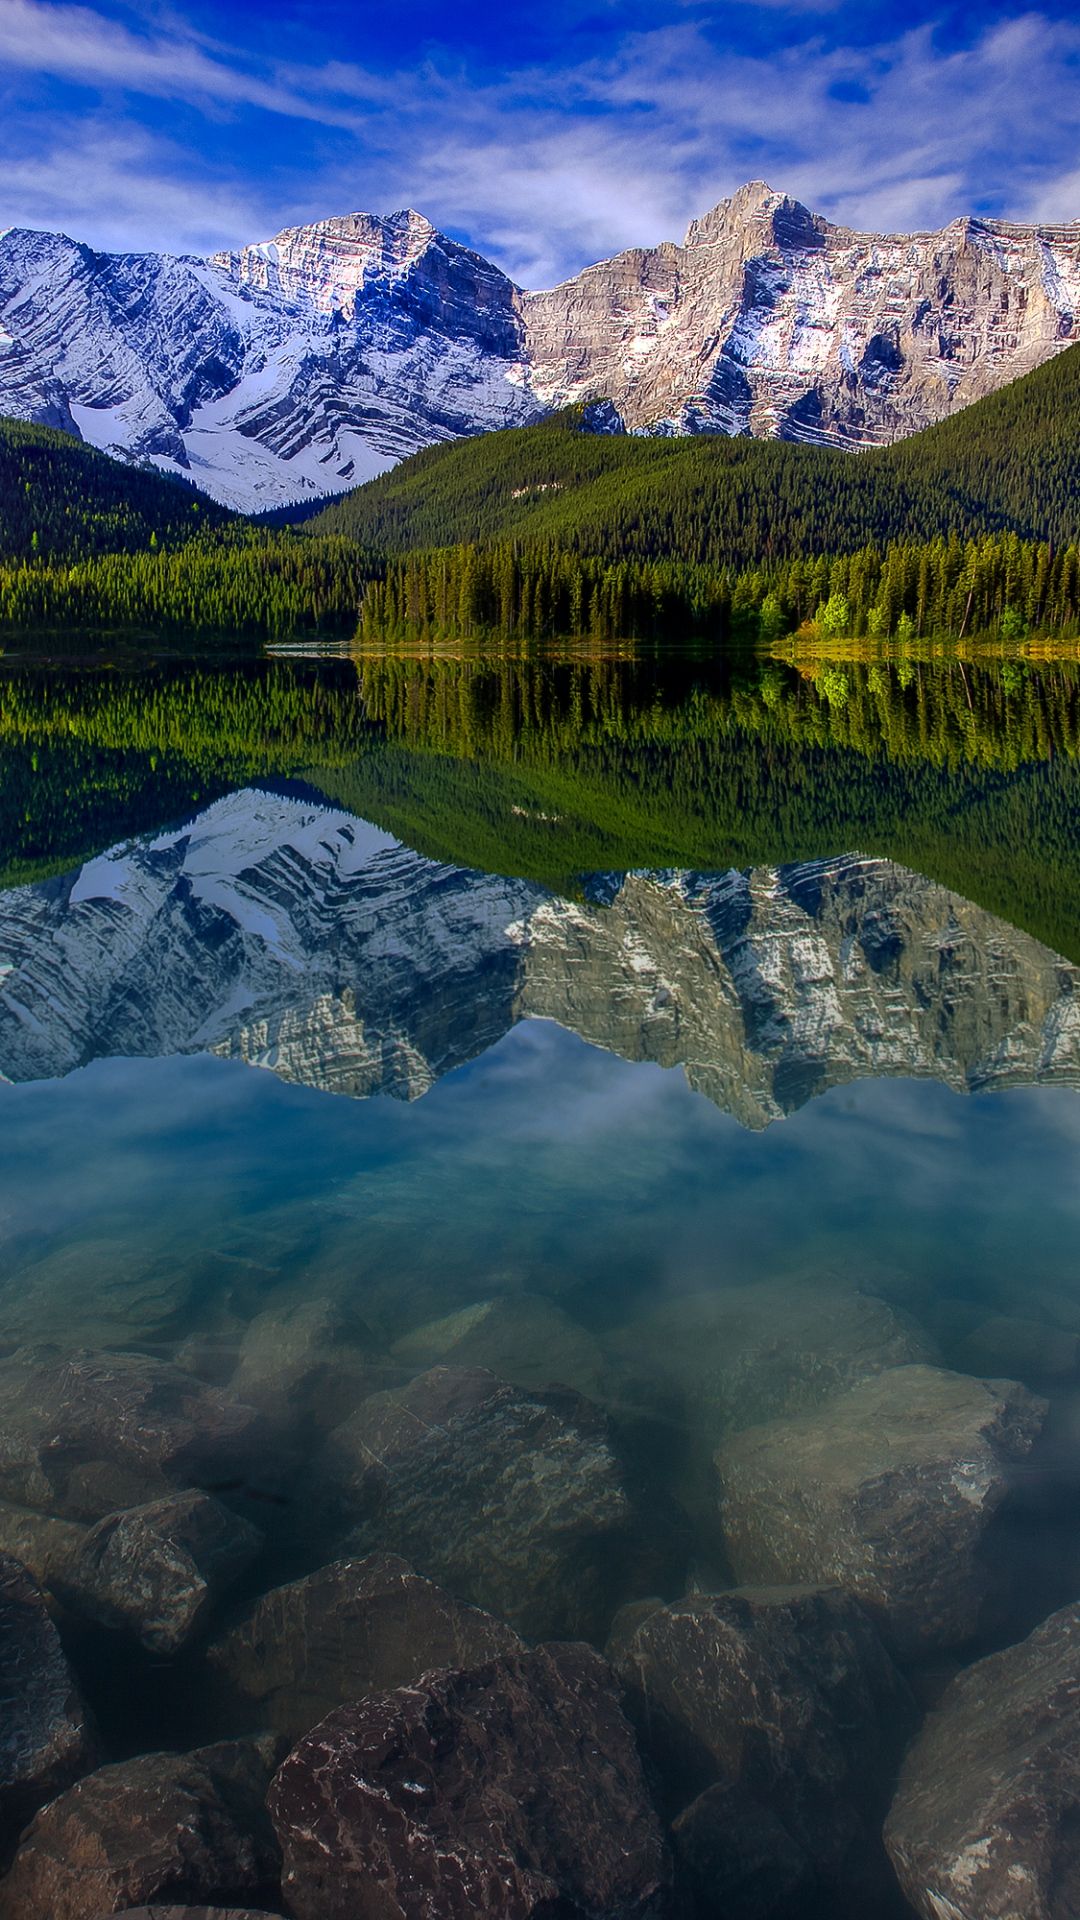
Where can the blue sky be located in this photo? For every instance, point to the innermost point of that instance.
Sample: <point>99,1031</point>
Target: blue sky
<point>546,135</point>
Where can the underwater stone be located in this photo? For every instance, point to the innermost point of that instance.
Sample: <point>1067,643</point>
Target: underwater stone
<point>166,1827</point>
<point>510,1790</point>
<point>517,1501</point>
<point>85,1434</point>
<point>46,1738</point>
<point>45,1545</point>
<point>309,1364</point>
<point>520,1336</point>
<point>786,1694</point>
<point>156,1571</point>
<point>984,1826</point>
<point>349,1629</point>
<point>733,1857</point>
<point>886,1491</point>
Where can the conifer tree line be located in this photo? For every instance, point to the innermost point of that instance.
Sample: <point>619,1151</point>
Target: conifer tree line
<point>998,584</point>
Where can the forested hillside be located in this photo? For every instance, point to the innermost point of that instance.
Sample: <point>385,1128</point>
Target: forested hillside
<point>60,499</point>
<point>1010,463</point>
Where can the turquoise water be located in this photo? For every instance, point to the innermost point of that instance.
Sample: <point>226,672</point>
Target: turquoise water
<point>316,993</point>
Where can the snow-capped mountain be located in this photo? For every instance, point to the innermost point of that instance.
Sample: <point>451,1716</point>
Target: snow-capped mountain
<point>308,363</point>
<point>276,931</point>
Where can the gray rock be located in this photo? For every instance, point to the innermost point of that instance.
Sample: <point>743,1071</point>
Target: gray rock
<point>46,1738</point>
<point>984,1823</point>
<point>520,1336</point>
<point>163,1829</point>
<point>84,1434</point>
<point>786,1695</point>
<point>511,1790</point>
<point>516,1501</point>
<point>157,1571</point>
<point>887,1491</point>
<point>736,1859</point>
<point>308,1364</point>
<point>352,1628</point>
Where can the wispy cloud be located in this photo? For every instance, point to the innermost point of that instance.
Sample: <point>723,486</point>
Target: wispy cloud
<point>544,167</point>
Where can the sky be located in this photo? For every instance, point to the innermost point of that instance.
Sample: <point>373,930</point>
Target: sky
<point>546,135</point>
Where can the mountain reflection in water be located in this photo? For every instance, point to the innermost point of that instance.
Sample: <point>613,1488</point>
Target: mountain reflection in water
<point>725,1307</point>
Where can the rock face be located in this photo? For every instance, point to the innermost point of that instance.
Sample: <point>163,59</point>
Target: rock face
<point>157,1571</point>
<point>162,1829</point>
<point>786,1697</point>
<point>46,1740</point>
<point>308,362</point>
<point>258,931</point>
<point>511,1790</point>
<point>516,1501</point>
<point>84,1434</point>
<point>984,1825</point>
<point>886,1491</point>
<point>352,1628</point>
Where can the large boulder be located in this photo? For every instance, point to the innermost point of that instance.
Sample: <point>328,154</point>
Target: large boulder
<point>734,1356</point>
<point>85,1434</point>
<point>46,1738</point>
<point>984,1824</point>
<point>886,1490</point>
<point>45,1545</point>
<point>520,1336</point>
<point>352,1628</point>
<point>164,1829</point>
<point>308,1364</point>
<point>786,1695</point>
<point>517,1501</point>
<point>510,1790</point>
<point>736,1859</point>
<point>157,1571</point>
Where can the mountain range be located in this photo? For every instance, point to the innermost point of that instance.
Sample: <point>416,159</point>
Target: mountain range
<point>293,936</point>
<point>307,364</point>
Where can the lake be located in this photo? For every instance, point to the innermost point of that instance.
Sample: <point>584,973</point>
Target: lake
<point>601,1128</point>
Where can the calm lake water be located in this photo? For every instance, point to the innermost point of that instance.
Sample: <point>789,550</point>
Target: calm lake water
<point>703,1037</point>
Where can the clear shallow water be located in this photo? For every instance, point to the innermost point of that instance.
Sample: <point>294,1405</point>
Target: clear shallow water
<point>678,1016</point>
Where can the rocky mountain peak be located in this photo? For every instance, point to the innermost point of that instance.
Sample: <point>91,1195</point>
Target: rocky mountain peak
<point>307,363</point>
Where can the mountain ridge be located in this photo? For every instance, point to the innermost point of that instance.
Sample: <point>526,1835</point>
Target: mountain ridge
<point>312,361</point>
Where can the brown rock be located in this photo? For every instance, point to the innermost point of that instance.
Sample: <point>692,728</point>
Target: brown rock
<point>195,1913</point>
<point>510,1790</point>
<point>352,1628</point>
<point>516,1501</point>
<point>984,1823</point>
<point>46,1739</point>
<point>84,1434</point>
<point>157,1571</point>
<point>886,1491</point>
<point>735,1858</point>
<point>787,1695</point>
<point>45,1545</point>
<point>162,1829</point>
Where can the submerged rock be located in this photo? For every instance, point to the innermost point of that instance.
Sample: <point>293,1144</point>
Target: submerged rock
<point>114,1290</point>
<point>46,1738</point>
<point>85,1434</point>
<point>984,1824</point>
<point>787,1696</point>
<point>196,1913</point>
<point>887,1491</point>
<point>734,1356</point>
<point>45,1545</point>
<point>1026,1348</point>
<point>520,1336</point>
<point>308,1364</point>
<point>510,1790</point>
<point>157,1571</point>
<point>352,1628</point>
<point>734,1858</point>
<point>516,1501</point>
<point>164,1828</point>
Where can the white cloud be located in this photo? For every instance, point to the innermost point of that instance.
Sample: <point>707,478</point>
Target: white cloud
<point>547,168</point>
